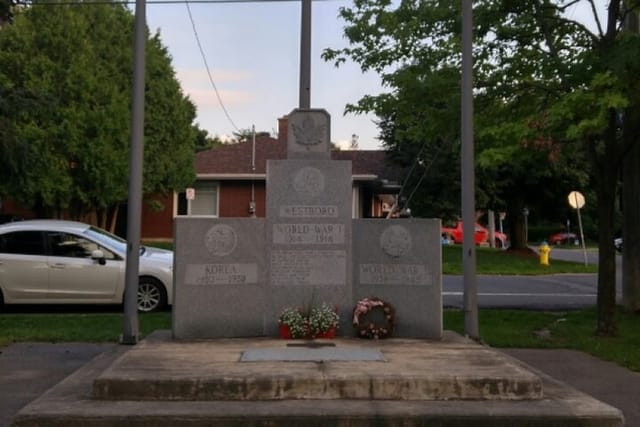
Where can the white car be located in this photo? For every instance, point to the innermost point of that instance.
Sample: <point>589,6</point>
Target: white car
<point>67,262</point>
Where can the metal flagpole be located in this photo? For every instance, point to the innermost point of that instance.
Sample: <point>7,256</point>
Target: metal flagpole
<point>468,177</point>
<point>130,330</point>
<point>305,56</point>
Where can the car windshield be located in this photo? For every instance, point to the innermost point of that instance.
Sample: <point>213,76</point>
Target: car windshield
<point>107,239</point>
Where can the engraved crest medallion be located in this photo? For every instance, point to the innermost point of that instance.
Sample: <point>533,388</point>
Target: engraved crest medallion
<point>308,181</point>
<point>308,133</point>
<point>396,241</point>
<point>221,240</point>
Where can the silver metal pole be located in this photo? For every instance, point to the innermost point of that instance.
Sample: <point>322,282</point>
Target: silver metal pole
<point>252,202</point>
<point>130,332</point>
<point>305,56</point>
<point>468,178</point>
<point>584,246</point>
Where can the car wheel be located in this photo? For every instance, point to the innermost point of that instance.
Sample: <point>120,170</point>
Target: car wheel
<point>499,244</point>
<point>151,295</point>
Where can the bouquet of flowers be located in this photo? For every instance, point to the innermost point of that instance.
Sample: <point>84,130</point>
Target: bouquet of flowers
<point>315,322</point>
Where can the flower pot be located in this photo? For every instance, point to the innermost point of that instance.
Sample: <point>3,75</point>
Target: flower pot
<point>285,332</point>
<point>331,333</point>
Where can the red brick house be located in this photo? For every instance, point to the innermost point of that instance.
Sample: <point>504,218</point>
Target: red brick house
<point>231,183</point>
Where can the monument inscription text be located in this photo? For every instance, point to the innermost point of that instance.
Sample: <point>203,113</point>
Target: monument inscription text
<point>308,234</point>
<point>303,211</point>
<point>221,274</point>
<point>308,267</point>
<point>394,274</point>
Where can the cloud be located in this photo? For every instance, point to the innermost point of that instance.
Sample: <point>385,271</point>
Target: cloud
<point>343,144</point>
<point>199,76</point>
<point>196,84</point>
<point>205,99</point>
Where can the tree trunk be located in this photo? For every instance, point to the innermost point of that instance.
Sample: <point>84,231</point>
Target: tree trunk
<point>516,223</point>
<point>606,166</point>
<point>631,212</point>
<point>114,218</point>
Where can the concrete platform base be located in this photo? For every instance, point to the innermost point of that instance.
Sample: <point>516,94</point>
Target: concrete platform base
<point>452,369</point>
<point>98,394</point>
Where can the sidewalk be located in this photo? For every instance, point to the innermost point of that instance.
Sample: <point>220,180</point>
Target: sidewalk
<point>28,369</point>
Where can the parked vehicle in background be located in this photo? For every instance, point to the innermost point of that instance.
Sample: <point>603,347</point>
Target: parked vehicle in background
<point>481,235</point>
<point>67,262</point>
<point>4,218</point>
<point>563,238</point>
<point>618,244</point>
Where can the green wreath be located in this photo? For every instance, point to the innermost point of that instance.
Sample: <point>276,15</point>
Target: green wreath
<point>365,308</point>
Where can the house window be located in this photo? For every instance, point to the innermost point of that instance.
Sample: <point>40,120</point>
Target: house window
<point>205,202</point>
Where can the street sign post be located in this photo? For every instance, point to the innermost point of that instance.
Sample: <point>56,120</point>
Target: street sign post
<point>577,201</point>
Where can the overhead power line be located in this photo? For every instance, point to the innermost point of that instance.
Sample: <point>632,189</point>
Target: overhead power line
<point>206,65</point>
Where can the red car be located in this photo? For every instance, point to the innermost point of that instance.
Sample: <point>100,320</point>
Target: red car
<point>563,238</point>
<point>481,236</point>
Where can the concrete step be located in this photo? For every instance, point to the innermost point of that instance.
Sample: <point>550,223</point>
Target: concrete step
<point>345,368</point>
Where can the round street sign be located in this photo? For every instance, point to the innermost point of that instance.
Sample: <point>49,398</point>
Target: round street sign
<point>576,199</point>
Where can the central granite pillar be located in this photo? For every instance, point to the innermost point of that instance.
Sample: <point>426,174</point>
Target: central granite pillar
<point>308,236</point>
<point>308,226</point>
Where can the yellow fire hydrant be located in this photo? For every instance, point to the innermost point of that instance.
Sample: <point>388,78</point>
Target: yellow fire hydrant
<point>544,250</point>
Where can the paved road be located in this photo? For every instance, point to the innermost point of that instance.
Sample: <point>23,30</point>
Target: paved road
<point>548,292</point>
<point>28,369</point>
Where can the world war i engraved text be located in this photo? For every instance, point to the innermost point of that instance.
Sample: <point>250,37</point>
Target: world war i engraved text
<point>308,234</point>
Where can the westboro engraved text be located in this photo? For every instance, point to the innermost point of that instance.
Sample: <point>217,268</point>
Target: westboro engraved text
<point>308,211</point>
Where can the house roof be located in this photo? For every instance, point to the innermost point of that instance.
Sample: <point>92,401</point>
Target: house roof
<point>234,160</point>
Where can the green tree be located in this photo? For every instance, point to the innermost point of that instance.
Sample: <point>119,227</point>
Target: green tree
<point>546,86</point>
<point>246,134</point>
<point>65,79</point>
<point>204,141</point>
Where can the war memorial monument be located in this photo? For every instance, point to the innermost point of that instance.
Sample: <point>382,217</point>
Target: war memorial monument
<point>223,364</point>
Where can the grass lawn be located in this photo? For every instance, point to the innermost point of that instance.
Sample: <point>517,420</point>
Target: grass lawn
<point>498,328</point>
<point>497,261</point>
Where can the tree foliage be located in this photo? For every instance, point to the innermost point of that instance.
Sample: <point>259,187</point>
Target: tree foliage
<point>548,90</point>
<point>65,85</point>
<point>204,141</point>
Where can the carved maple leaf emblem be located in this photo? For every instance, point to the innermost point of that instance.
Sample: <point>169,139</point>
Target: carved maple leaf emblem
<point>308,133</point>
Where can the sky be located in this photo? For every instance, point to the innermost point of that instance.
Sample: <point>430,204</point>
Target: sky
<point>253,50</point>
<point>253,54</point>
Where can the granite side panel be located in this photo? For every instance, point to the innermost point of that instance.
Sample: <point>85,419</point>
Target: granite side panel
<point>219,278</point>
<point>400,261</point>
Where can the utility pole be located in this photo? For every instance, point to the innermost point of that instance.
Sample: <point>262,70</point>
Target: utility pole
<point>130,332</point>
<point>305,56</point>
<point>468,178</point>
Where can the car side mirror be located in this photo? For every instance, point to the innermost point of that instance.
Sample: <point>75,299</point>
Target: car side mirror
<point>98,255</point>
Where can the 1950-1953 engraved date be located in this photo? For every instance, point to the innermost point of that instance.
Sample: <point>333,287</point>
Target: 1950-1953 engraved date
<point>221,274</point>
